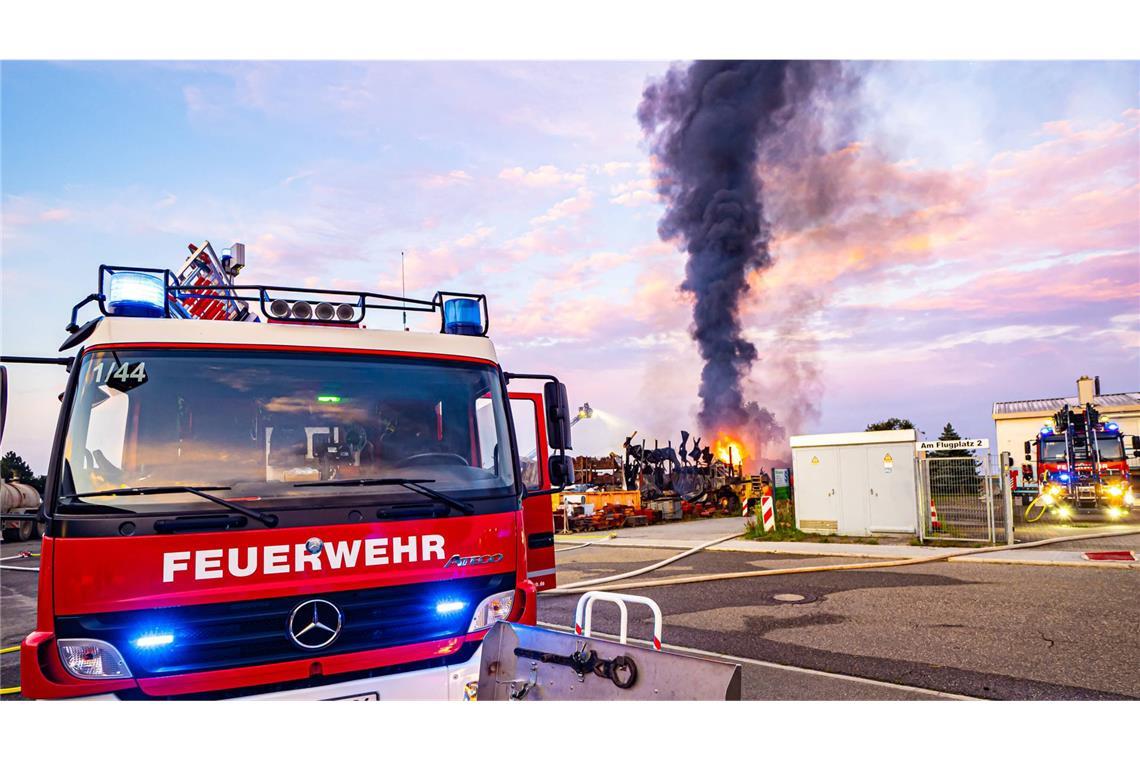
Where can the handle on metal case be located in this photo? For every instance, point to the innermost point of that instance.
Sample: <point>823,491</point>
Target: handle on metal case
<point>584,613</point>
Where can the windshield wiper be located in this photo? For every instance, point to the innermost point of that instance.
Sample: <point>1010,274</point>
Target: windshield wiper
<point>267,519</point>
<point>415,485</point>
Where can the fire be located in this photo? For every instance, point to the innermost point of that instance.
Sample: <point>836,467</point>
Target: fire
<point>726,449</point>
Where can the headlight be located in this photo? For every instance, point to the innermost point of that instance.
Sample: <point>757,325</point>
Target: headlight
<point>1115,513</point>
<point>1054,490</point>
<point>1046,499</point>
<point>91,658</point>
<point>491,610</point>
<point>1115,490</point>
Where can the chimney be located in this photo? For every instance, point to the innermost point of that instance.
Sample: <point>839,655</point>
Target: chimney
<point>1085,390</point>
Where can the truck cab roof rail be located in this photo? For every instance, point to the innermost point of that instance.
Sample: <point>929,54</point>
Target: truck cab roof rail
<point>160,293</point>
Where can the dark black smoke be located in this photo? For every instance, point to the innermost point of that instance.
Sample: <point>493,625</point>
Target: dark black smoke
<point>708,127</point>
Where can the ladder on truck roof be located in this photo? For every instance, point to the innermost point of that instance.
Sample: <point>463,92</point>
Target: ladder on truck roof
<point>203,270</point>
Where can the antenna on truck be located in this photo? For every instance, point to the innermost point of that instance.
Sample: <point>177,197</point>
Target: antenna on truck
<point>403,289</point>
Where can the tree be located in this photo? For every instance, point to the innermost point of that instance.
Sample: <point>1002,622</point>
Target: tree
<point>13,467</point>
<point>950,434</point>
<point>958,477</point>
<point>894,423</point>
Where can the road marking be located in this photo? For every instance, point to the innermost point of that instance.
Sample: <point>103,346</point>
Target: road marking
<point>779,666</point>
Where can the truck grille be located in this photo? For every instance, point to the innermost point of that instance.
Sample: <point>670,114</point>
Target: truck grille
<point>255,632</point>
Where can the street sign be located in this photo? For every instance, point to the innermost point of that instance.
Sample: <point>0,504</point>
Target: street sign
<point>964,443</point>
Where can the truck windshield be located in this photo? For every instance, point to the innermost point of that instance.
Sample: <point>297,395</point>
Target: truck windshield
<point>1110,448</point>
<point>260,422</point>
<point>1053,451</point>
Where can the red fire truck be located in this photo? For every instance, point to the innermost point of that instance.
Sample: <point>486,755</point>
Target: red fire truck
<point>251,495</point>
<point>1082,465</point>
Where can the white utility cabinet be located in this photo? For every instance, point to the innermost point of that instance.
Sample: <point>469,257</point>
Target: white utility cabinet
<point>855,484</point>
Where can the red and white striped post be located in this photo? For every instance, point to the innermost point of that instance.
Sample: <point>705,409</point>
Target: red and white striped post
<point>768,513</point>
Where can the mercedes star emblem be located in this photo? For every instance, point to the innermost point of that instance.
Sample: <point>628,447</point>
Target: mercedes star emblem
<point>315,624</point>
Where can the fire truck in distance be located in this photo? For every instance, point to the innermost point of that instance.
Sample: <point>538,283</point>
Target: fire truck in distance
<point>251,495</point>
<point>1082,466</point>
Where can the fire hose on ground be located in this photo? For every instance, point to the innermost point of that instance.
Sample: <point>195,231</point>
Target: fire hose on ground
<point>10,689</point>
<point>648,568</point>
<point>21,555</point>
<point>583,545</point>
<point>579,587</point>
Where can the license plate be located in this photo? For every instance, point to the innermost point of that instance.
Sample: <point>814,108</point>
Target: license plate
<point>370,696</point>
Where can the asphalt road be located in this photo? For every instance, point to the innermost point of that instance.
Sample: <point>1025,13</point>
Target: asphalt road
<point>989,631</point>
<point>17,607</point>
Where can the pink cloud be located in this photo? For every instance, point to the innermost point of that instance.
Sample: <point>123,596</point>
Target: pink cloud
<point>575,205</point>
<point>448,179</point>
<point>638,192</point>
<point>544,176</point>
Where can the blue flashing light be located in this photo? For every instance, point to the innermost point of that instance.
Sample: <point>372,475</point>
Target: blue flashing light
<point>136,294</point>
<point>1112,426</point>
<point>1046,430</point>
<point>1063,477</point>
<point>449,606</point>
<point>154,640</point>
<point>462,316</point>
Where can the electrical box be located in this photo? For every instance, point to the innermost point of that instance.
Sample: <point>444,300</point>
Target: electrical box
<point>855,484</point>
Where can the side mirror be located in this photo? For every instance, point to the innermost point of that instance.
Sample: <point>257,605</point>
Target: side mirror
<point>561,469</point>
<point>557,418</point>
<point>1136,441</point>
<point>1028,449</point>
<point>3,399</point>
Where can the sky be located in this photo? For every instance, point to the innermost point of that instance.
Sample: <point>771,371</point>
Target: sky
<point>985,245</point>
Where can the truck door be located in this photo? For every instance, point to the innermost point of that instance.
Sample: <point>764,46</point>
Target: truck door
<point>538,511</point>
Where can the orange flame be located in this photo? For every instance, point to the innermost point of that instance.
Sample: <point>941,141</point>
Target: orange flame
<point>724,445</point>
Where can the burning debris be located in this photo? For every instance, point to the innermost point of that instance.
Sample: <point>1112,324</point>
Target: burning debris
<point>709,127</point>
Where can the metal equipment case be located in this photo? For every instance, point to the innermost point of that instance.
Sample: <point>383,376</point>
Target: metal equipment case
<point>855,484</point>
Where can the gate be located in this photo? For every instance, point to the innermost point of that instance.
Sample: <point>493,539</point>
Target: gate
<point>956,496</point>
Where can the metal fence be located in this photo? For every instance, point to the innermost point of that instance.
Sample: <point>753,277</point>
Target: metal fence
<point>957,497</point>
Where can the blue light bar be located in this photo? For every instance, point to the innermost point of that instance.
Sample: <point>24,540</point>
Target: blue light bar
<point>1063,477</point>
<point>462,316</point>
<point>449,606</point>
<point>1046,430</point>
<point>153,640</point>
<point>136,294</point>
<point>1112,426</point>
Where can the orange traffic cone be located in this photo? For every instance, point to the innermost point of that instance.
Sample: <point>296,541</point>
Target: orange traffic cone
<point>935,523</point>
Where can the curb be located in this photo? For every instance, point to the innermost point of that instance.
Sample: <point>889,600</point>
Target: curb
<point>824,550</point>
<point>804,549</point>
<point>1094,565</point>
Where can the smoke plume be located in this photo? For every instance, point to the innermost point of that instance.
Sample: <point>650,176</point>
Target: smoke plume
<point>710,128</point>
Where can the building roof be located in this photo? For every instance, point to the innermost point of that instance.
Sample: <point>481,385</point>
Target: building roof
<point>134,330</point>
<point>853,439</point>
<point>1047,406</point>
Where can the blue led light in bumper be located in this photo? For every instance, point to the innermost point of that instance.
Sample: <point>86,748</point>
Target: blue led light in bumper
<point>449,606</point>
<point>1063,477</point>
<point>154,640</point>
<point>462,316</point>
<point>136,294</point>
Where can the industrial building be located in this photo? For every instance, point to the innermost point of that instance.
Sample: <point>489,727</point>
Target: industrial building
<point>1019,421</point>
